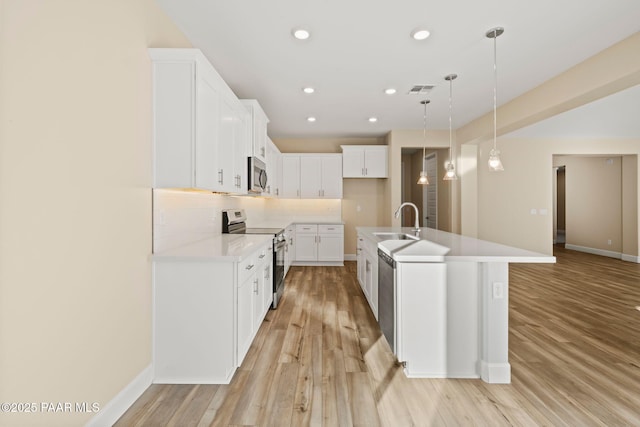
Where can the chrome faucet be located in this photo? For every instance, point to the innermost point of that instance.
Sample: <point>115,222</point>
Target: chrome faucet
<point>417,225</point>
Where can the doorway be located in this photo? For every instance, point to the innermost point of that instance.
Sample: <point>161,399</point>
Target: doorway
<point>430,193</point>
<point>559,220</point>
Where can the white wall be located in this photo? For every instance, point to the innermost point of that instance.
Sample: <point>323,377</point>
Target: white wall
<point>75,200</point>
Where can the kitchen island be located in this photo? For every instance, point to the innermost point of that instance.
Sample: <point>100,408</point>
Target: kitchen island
<point>449,302</point>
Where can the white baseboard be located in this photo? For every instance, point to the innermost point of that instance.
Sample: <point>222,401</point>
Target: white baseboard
<point>631,258</point>
<point>594,251</point>
<point>495,373</point>
<point>117,406</point>
<point>350,257</point>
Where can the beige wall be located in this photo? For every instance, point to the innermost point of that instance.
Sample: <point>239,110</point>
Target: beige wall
<point>496,206</point>
<point>363,198</point>
<point>75,200</point>
<point>505,199</point>
<point>594,202</point>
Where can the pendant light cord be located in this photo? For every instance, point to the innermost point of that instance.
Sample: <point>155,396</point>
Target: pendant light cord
<point>495,89</point>
<point>424,139</point>
<point>451,156</point>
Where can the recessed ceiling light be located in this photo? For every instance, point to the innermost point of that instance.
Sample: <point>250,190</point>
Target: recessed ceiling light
<point>373,119</point>
<point>311,119</point>
<point>308,90</point>
<point>300,33</point>
<point>420,34</point>
<point>390,91</point>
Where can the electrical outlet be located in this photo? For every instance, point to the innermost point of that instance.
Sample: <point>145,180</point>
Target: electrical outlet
<point>609,242</point>
<point>534,211</point>
<point>498,290</point>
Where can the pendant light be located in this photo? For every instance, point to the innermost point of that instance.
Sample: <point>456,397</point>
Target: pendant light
<point>495,164</point>
<point>450,174</point>
<point>423,180</point>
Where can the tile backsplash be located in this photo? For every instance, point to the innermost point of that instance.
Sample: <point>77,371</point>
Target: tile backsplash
<point>181,217</point>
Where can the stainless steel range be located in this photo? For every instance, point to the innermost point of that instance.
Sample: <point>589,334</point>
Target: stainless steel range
<point>234,222</point>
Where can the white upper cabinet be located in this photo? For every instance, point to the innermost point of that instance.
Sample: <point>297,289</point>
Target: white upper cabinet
<point>274,170</point>
<point>198,131</point>
<point>290,176</point>
<point>257,145</point>
<point>312,176</point>
<point>321,176</point>
<point>364,161</point>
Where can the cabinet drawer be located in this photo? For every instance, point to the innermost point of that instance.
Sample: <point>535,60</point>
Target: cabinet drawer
<point>307,228</point>
<point>247,267</point>
<point>330,228</point>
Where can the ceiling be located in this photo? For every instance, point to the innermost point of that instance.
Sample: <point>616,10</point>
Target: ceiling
<point>358,48</point>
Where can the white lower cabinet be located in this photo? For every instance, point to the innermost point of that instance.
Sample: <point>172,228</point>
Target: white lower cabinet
<point>290,248</point>
<point>206,314</point>
<point>367,266</point>
<point>319,244</point>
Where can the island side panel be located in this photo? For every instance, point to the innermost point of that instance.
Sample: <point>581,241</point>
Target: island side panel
<point>463,320</point>
<point>421,298</point>
<point>494,346</point>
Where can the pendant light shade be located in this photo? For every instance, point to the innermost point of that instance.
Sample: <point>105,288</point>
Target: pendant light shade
<point>450,174</point>
<point>495,164</point>
<point>423,180</point>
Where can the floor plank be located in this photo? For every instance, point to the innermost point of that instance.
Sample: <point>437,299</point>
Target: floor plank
<point>320,360</point>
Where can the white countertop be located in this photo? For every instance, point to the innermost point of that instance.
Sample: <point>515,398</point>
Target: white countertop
<point>460,248</point>
<point>222,248</point>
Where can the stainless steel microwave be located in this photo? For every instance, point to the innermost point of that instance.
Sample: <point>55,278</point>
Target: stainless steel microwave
<point>257,175</point>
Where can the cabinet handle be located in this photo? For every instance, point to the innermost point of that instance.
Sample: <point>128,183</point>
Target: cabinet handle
<point>220,176</point>
<point>319,239</point>
<point>262,151</point>
<point>255,286</point>
<point>362,171</point>
<point>249,267</point>
<point>277,191</point>
<point>261,256</point>
<point>366,172</point>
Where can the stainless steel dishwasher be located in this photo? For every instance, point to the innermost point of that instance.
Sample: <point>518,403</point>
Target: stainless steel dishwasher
<point>387,297</point>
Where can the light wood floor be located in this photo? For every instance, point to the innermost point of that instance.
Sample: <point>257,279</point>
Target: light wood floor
<point>320,360</point>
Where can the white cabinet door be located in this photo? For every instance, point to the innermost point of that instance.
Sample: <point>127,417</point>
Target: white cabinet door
<point>257,145</point>
<point>225,154</point>
<point>310,177</point>
<point>360,260</point>
<point>365,161</point>
<point>290,177</point>
<point>267,289</point>
<point>330,247</point>
<point>274,165</point>
<point>375,162</point>
<point>245,317</point>
<point>352,162</point>
<point>306,247</point>
<point>241,117</point>
<point>289,249</point>
<point>331,177</point>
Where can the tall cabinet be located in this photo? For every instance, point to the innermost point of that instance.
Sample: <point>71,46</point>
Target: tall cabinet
<point>199,126</point>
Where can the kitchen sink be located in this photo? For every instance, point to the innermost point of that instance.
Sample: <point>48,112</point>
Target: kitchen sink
<point>395,236</point>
